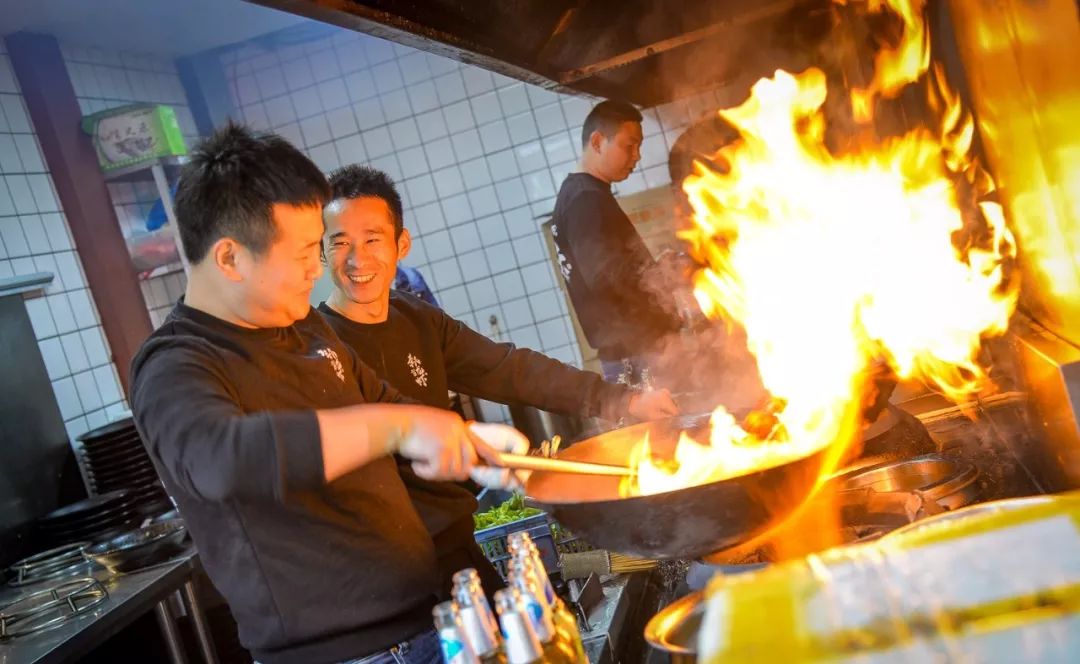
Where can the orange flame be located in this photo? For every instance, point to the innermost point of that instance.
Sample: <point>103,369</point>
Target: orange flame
<point>835,264</point>
<point>894,68</point>
<point>1027,114</point>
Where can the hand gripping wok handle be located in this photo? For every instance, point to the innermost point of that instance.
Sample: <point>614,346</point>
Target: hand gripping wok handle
<point>523,462</point>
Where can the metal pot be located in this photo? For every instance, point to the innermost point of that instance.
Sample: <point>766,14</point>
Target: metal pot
<point>139,548</point>
<point>687,523</point>
<point>949,483</point>
<point>674,631</point>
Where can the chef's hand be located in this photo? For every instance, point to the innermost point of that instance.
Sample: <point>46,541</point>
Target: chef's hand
<point>652,405</point>
<point>488,438</point>
<point>437,444</point>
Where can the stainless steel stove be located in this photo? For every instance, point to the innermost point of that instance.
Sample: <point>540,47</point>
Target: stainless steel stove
<point>65,590</point>
<point>63,561</point>
<point>50,607</point>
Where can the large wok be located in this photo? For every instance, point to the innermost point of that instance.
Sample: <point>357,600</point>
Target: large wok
<point>687,523</point>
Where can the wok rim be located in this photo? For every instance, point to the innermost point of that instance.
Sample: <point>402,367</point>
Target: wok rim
<point>652,497</point>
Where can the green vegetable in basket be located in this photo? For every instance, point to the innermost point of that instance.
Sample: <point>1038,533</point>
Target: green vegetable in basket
<point>512,510</point>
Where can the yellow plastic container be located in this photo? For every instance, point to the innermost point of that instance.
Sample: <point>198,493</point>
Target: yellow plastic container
<point>992,585</point>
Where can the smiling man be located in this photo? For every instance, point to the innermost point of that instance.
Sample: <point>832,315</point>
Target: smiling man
<point>603,260</point>
<point>423,352</point>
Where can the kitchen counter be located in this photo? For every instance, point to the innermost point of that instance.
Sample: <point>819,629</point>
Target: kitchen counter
<point>130,596</point>
<point>609,620</point>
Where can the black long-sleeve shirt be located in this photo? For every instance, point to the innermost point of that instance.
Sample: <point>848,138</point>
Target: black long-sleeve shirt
<point>604,263</point>
<point>313,572</point>
<point>422,352</point>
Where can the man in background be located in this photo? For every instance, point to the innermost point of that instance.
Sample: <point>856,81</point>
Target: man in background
<point>606,266</point>
<point>409,280</point>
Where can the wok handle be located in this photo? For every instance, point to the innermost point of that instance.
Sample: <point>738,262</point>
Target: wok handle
<point>525,462</point>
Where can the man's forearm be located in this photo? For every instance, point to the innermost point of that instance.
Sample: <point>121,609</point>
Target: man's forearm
<point>357,435</point>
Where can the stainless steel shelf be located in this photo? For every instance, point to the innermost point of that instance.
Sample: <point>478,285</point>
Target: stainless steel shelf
<point>141,172</point>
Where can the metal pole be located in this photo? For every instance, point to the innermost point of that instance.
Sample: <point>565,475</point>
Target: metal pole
<point>172,636</point>
<point>198,619</point>
<point>170,214</point>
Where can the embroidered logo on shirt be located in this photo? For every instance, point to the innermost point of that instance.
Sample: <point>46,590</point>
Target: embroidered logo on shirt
<point>564,265</point>
<point>329,354</point>
<point>417,369</point>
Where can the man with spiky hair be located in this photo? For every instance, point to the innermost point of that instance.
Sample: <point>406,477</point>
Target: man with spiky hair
<point>276,443</point>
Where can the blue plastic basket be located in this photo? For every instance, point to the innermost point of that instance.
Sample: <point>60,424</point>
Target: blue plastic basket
<point>551,539</point>
<point>493,541</point>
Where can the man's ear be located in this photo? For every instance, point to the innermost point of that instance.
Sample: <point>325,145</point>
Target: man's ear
<point>596,140</point>
<point>227,255</point>
<point>404,244</point>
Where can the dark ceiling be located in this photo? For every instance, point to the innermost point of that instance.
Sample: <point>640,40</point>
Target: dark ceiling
<point>643,51</point>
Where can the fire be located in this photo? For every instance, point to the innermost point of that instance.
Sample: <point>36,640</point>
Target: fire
<point>1027,113</point>
<point>729,452</point>
<point>835,264</point>
<point>897,67</point>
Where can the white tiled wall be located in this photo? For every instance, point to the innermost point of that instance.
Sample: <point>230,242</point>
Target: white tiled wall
<point>105,79</point>
<point>161,294</point>
<point>34,237</point>
<point>478,158</point>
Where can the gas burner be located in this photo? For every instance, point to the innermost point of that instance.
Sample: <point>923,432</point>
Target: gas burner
<point>55,563</point>
<point>51,607</point>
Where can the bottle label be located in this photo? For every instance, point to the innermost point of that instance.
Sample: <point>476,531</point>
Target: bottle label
<point>453,650</point>
<point>521,646</point>
<point>540,622</point>
<point>535,611</point>
<point>476,630</point>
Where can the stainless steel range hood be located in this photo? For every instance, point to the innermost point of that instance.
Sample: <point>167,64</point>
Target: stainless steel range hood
<point>642,51</point>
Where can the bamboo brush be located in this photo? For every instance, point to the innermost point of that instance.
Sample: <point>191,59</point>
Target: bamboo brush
<point>622,564</point>
<point>581,565</point>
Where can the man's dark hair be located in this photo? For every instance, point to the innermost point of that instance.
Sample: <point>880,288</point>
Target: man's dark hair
<point>356,181</point>
<point>606,118</point>
<point>231,183</point>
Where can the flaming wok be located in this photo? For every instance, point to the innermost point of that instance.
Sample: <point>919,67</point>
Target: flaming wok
<point>686,523</point>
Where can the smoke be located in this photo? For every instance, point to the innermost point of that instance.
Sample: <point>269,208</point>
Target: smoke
<point>710,367</point>
<point>779,36</point>
<point>707,364</point>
